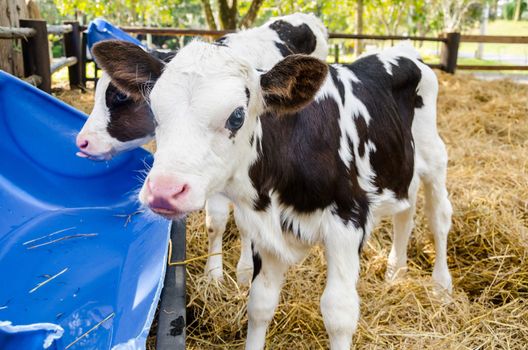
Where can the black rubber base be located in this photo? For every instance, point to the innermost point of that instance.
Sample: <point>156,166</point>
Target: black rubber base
<point>172,318</point>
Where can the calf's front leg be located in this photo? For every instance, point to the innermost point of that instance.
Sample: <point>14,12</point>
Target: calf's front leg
<point>263,299</point>
<point>216,216</point>
<point>244,269</point>
<point>340,300</point>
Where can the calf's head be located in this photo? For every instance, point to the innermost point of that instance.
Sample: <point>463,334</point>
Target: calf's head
<point>206,106</point>
<point>121,118</point>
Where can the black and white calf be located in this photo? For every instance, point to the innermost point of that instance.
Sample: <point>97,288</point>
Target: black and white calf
<point>122,120</point>
<point>309,154</point>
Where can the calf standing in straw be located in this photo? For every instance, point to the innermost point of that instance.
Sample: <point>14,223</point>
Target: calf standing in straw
<point>121,121</point>
<point>309,154</point>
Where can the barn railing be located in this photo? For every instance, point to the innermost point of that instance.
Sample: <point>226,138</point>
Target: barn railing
<point>38,68</point>
<point>448,55</point>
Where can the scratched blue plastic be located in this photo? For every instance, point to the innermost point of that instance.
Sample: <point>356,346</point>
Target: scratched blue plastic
<point>99,30</point>
<point>110,265</point>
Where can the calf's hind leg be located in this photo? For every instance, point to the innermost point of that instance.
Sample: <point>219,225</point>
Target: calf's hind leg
<point>438,210</point>
<point>403,223</point>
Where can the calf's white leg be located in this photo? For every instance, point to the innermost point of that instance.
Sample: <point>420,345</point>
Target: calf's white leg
<point>340,300</point>
<point>403,223</point>
<point>438,210</point>
<point>244,270</point>
<point>216,216</point>
<point>263,299</point>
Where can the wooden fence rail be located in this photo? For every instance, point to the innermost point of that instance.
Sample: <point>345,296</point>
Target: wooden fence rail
<point>39,69</point>
<point>35,51</point>
<point>448,56</point>
<point>16,33</point>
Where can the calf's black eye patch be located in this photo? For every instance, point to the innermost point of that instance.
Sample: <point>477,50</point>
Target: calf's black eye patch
<point>235,120</point>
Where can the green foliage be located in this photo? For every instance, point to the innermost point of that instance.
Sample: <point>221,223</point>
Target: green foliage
<point>178,13</point>
<point>508,9</point>
<point>413,17</point>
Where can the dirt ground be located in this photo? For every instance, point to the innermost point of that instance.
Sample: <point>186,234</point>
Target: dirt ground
<point>485,127</point>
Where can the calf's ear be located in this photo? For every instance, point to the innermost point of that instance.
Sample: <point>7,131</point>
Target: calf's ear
<point>292,83</point>
<point>131,69</point>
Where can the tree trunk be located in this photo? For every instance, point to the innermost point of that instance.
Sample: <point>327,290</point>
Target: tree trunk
<point>359,27</point>
<point>249,18</point>
<point>209,17</point>
<point>518,7</point>
<point>227,14</point>
<point>33,9</point>
<point>483,25</point>
<point>11,50</point>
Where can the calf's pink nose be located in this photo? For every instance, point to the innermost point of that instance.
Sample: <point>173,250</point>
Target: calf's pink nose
<point>163,192</point>
<point>82,142</point>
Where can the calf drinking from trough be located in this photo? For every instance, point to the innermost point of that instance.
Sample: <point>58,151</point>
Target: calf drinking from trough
<point>309,154</point>
<point>121,121</point>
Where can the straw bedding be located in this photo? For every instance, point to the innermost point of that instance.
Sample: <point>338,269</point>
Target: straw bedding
<point>485,127</point>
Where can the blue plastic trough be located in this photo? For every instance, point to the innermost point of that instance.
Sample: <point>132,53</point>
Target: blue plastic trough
<point>80,266</point>
<point>99,30</point>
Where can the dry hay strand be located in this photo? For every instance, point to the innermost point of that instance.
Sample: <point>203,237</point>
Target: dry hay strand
<point>485,127</point>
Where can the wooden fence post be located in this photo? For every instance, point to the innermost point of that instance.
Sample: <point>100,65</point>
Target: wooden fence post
<point>336,53</point>
<point>449,55</point>
<point>72,47</point>
<point>84,59</point>
<point>36,52</point>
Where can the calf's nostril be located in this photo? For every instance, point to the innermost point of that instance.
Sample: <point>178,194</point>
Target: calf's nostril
<point>179,190</point>
<point>83,144</point>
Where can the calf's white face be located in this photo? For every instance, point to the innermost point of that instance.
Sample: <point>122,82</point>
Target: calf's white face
<point>205,115</point>
<point>206,105</point>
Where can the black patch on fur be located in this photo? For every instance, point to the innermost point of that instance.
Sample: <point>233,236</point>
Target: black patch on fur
<point>248,95</point>
<point>362,130</point>
<point>390,101</point>
<point>222,41</point>
<point>419,102</point>
<point>298,39</point>
<point>338,83</point>
<point>252,139</point>
<point>129,119</point>
<point>284,50</point>
<point>163,55</point>
<point>300,162</point>
<point>257,262</point>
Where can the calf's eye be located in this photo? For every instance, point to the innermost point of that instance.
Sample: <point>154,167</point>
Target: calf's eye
<point>236,119</point>
<point>120,97</point>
